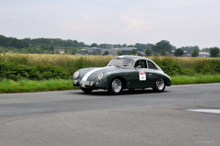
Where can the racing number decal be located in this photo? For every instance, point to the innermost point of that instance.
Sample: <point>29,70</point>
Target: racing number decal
<point>142,76</point>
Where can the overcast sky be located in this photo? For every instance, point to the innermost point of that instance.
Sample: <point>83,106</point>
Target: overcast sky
<point>181,22</point>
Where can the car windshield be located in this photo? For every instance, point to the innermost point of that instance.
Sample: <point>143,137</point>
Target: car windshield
<point>121,62</point>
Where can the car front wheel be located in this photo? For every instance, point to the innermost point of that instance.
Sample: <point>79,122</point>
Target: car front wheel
<point>115,86</point>
<point>86,90</point>
<point>160,85</point>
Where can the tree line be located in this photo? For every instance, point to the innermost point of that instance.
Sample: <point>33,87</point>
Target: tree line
<point>12,42</point>
<point>48,45</point>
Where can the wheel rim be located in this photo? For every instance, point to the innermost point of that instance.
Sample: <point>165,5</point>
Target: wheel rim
<point>116,85</point>
<point>160,84</point>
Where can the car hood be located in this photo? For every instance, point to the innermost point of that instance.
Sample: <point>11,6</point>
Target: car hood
<point>93,72</point>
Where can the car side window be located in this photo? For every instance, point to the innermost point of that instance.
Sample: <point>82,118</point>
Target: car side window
<point>151,65</point>
<point>142,63</point>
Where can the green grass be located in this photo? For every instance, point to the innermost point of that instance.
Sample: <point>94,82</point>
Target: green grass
<point>10,86</point>
<point>197,79</point>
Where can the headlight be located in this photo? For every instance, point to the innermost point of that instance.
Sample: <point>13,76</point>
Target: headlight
<point>100,76</point>
<point>76,75</point>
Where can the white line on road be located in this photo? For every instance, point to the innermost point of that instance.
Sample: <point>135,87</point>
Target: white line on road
<point>212,111</point>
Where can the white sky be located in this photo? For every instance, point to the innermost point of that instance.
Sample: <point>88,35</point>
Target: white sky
<point>181,22</point>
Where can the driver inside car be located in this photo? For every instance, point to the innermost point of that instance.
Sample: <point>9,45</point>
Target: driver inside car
<point>137,63</point>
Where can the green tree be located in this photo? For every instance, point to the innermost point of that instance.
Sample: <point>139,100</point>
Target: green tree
<point>178,52</point>
<point>51,48</point>
<point>12,42</point>
<point>133,52</point>
<point>94,45</point>
<point>106,52</point>
<point>143,46</point>
<point>86,51</point>
<point>117,46</point>
<point>66,51</point>
<point>74,51</point>
<point>119,52</point>
<point>205,50</point>
<point>1,50</point>
<point>162,45</point>
<point>124,45</point>
<point>195,53</point>
<point>148,52</point>
<point>163,52</point>
<point>214,52</point>
<point>189,49</point>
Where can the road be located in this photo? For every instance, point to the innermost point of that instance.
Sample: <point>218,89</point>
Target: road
<point>142,118</point>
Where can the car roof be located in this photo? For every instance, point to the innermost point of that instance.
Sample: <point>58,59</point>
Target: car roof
<point>135,58</point>
<point>132,57</point>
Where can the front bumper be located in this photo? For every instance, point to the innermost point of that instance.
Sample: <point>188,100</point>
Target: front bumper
<point>87,84</point>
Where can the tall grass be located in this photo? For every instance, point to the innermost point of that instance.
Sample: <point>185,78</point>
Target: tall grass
<point>188,65</point>
<point>71,63</point>
<point>198,79</point>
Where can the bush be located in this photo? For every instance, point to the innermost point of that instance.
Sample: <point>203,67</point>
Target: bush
<point>189,72</point>
<point>37,72</point>
<point>168,65</point>
<point>46,66</point>
<point>207,67</point>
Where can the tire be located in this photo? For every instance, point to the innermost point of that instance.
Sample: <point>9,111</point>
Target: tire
<point>115,86</point>
<point>86,90</point>
<point>160,85</point>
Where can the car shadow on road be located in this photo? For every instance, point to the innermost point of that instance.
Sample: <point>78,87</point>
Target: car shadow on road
<point>124,92</point>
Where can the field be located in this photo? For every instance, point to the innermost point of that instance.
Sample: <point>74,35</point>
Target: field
<point>71,63</point>
<point>44,72</point>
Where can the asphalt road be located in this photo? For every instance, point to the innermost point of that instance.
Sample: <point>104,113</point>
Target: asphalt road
<point>72,118</point>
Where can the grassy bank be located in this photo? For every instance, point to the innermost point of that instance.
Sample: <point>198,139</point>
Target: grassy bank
<point>10,86</point>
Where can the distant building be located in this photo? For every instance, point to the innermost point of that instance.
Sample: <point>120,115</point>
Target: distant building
<point>171,53</point>
<point>123,50</point>
<point>113,51</point>
<point>204,54</point>
<point>186,54</point>
<point>94,50</point>
<point>126,50</point>
<point>141,53</point>
<point>59,51</point>
<point>82,52</point>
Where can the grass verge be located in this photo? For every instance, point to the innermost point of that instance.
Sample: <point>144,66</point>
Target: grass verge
<point>10,86</point>
<point>197,79</point>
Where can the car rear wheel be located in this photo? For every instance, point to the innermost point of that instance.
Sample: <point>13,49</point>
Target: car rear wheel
<point>160,85</point>
<point>86,90</point>
<point>115,86</point>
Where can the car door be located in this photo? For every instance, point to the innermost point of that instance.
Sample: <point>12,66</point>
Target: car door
<point>139,75</point>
